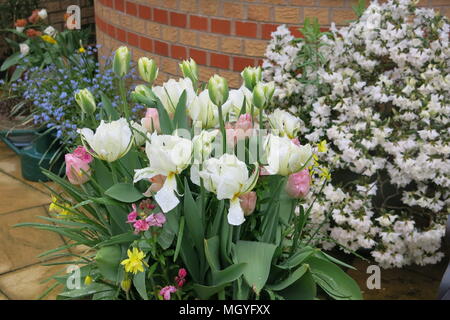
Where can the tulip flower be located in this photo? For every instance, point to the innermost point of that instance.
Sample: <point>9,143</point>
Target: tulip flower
<point>111,141</point>
<point>121,63</point>
<point>143,94</point>
<point>285,123</point>
<point>168,156</point>
<point>242,129</point>
<point>85,101</point>
<point>151,120</point>
<point>42,14</point>
<point>251,76</point>
<point>248,202</point>
<point>24,49</point>
<point>236,99</point>
<point>20,24</point>
<point>170,93</point>
<point>298,184</point>
<point>203,112</point>
<point>189,69</point>
<point>139,133</point>
<point>147,69</point>
<point>218,90</point>
<point>203,144</point>
<point>50,31</point>
<point>262,94</point>
<point>228,178</point>
<point>77,170</point>
<point>284,157</point>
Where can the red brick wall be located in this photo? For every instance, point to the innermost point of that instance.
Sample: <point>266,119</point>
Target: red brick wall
<point>222,36</point>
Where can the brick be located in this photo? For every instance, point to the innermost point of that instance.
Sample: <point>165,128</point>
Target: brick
<point>119,5</point>
<point>258,13</point>
<point>170,4</point>
<point>146,44</point>
<point>160,16</point>
<point>161,48</point>
<point>178,19</point>
<point>233,10</point>
<point>188,6</point>
<point>220,61</point>
<point>304,2</point>
<point>331,3</point>
<point>169,34</point>
<point>131,8</point>
<point>145,12</point>
<point>208,41</point>
<point>240,63</point>
<point>246,29</point>
<point>343,16</point>
<point>133,39</point>
<point>296,32</point>
<point>267,30</point>
<point>234,78</point>
<point>221,26</point>
<point>153,29</point>
<point>109,3</point>
<point>322,14</point>
<point>121,35</point>
<point>198,23</point>
<point>199,56</point>
<point>231,45</point>
<point>111,31</point>
<point>178,52</point>
<point>209,7</point>
<point>188,37</point>
<point>137,25</point>
<point>205,73</point>
<point>255,48</point>
<point>287,14</point>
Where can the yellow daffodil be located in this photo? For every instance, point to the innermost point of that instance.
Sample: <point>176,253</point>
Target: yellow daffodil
<point>325,173</point>
<point>48,39</point>
<point>322,146</point>
<point>134,263</point>
<point>88,280</point>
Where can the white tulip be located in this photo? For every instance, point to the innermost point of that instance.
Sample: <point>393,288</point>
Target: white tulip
<point>24,49</point>
<point>50,31</point>
<point>168,156</point>
<point>286,124</point>
<point>42,14</point>
<point>236,100</point>
<point>204,144</point>
<point>284,157</point>
<point>111,141</point>
<point>203,112</point>
<point>228,178</point>
<point>20,29</point>
<point>139,133</point>
<point>170,92</point>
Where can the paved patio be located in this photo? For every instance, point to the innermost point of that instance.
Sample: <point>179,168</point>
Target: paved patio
<point>22,273</point>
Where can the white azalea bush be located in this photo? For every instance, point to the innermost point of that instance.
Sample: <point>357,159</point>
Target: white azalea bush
<point>386,116</point>
<point>206,209</point>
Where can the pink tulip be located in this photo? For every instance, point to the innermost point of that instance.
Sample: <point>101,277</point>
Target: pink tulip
<point>81,153</point>
<point>298,184</point>
<point>166,291</point>
<point>244,122</point>
<point>248,202</point>
<point>77,170</point>
<point>242,129</point>
<point>151,120</point>
<point>156,220</point>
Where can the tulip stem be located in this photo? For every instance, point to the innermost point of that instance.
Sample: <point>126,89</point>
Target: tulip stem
<point>222,131</point>
<point>123,96</point>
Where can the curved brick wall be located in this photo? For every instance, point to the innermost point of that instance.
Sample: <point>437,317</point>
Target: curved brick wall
<point>222,36</point>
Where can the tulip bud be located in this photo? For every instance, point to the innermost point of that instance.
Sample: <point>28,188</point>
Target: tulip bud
<point>189,69</point>
<point>147,69</point>
<point>298,184</point>
<point>218,90</point>
<point>251,76</point>
<point>151,120</point>
<point>86,101</point>
<point>262,94</point>
<point>248,202</point>
<point>24,49</point>
<point>125,284</point>
<point>121,63</point>
<point>143,94</point>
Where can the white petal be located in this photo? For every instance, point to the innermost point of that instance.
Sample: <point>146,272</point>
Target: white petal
<point>145,173</point>
<point>166,197</point>
<point>235,214</point>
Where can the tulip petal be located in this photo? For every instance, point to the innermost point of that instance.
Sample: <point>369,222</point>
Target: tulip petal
<point>166,198</point>
<point>146,173</point>
<point>235,213</point>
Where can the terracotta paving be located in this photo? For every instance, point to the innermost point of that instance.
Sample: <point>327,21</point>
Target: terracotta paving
<point>22,275</point>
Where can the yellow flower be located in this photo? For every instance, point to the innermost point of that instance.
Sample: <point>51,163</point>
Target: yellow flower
<point>135,262</point>
<point>322,146</point>
<point>88,280</point>
<point>325,173</point>
<point>48,39</point>
<point>82,50</point>
<point>58,208</point>
<point>125,285</point>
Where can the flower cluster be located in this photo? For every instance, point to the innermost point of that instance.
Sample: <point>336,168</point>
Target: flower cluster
<point>387,119</point>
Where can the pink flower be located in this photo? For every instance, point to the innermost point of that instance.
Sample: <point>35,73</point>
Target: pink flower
<point>151,120</point>
<point>77,170</point>
<point>244,122</point>
<point>81,153</point>
<point>132,215</point>
<point>263,171</point>
<point>156,220</point>
<point>248,202</point>
<point>180,279</point>
<point>298,184</point>
<point>147,205</point>
<point>296,141</point>
<point>140,226</point>
<point>242,129</point>
<point>157,183</point>
<point>166,291</point>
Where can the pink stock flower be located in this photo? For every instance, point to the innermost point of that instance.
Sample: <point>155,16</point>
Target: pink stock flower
<point>156,219</point>
<point>298,184</point>
<point>181,278</point>
<point>131,218</point>
<point>166,291</point>
<point>248,202</point>
<point>140,226</point>
<point>77,168</point>
<point>151,120</point>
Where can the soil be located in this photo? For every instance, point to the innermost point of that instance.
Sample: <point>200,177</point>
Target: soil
<point>14,122</point>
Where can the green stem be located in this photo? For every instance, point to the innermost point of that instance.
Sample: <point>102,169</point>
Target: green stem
<point>123,96</point>
<point>222,130</point>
